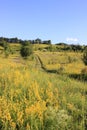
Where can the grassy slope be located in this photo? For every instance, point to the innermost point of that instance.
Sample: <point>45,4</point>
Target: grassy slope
<point>70,61</point>
<point>26,89</point>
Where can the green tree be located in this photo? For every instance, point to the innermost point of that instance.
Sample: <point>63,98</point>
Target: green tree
<point>85,57</point>
<point>4,44</point>
<point>6,47</point>
<point>26,49</point>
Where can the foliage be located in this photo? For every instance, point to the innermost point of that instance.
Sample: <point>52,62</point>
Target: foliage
<point>6,47</point>
<point>17,41</point>
<point>84,74</point>
<point>4,44</point>
<point>32,99</point>
<point>26,49</point>
<point>85,57</point>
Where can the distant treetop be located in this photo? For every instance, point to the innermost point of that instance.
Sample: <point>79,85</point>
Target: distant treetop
<point>16,40</point>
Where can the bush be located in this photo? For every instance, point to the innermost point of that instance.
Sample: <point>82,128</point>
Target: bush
<point>6,48</point>
<point>26,50</point>
<point>85,57</point>
<point>84,74</point>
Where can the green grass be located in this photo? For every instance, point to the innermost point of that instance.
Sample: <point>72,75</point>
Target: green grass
<point>71,62</point>
<point>33,98</point>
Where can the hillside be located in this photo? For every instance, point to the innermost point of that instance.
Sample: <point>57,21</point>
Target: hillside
<point>46,91</point>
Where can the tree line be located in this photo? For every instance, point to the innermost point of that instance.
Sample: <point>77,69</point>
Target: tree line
<point>16,40</point>
<point>58,47</point>
<point>27,49</point>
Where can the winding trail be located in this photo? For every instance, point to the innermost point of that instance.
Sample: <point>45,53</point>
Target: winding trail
<point>39,63</point>
<point>42,66</point>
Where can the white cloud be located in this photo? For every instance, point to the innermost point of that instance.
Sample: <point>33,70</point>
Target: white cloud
<point>71,39</point>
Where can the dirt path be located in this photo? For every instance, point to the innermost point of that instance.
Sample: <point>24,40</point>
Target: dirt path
<point>39,63</point>
<point>43,67</point>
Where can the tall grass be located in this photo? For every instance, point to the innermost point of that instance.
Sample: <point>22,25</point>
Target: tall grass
<point>35,100</point>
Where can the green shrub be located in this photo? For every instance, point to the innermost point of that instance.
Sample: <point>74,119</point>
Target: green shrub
<point>84,74</point>
<point>26,50</point>
<point>6,49</point>
<point>85,57</point>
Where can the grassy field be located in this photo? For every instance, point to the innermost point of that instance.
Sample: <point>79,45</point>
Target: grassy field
<point>71,62</point>
<point>33,97</point>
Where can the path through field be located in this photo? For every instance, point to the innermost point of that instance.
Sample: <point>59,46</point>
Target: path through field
<point>39,63</point>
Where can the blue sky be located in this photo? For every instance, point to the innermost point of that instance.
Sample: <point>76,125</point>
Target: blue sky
<point>57,20</point>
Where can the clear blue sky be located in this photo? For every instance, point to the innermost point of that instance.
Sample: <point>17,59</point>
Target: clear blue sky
<point>57,20</point>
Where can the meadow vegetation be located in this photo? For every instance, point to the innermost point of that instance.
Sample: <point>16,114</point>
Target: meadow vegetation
<point>46,91</point>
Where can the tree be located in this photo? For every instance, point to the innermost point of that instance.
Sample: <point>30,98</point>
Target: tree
<point>26,49</point>
<point>85,57</point>
<point>47,42</point>
<point>6,47</point>
<point>38,41</point>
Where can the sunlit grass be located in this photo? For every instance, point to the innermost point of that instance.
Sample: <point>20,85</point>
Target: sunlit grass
<point>70,61</point>
<point>33,99</point>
